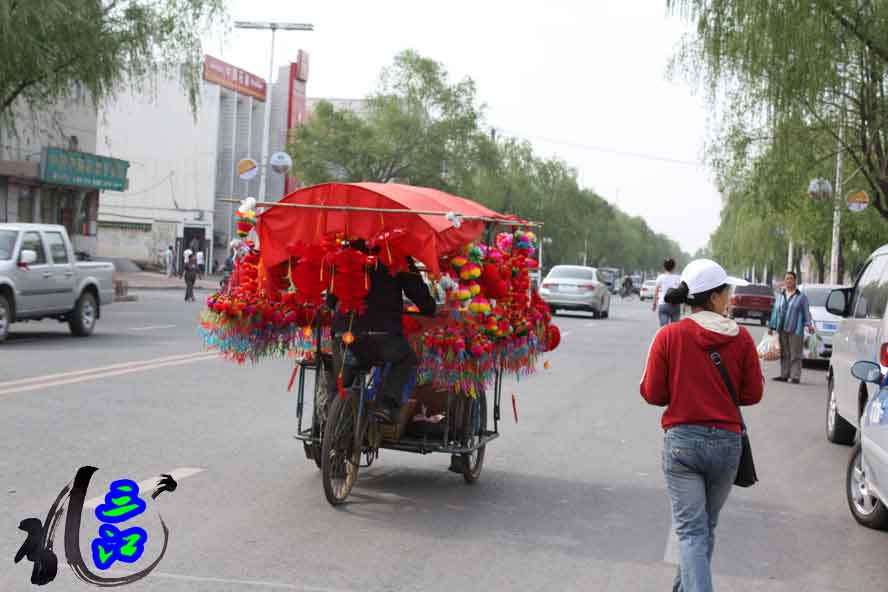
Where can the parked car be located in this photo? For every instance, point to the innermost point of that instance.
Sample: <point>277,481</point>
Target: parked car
<point>637,281</point>
<point>609,275</point>
<point>754,301</point>
<point>41,278</point>
<point>866,479</point>
<point>861,336</point>
<point>574,287</point>
<point>647,290</point>
<point>819,345</point>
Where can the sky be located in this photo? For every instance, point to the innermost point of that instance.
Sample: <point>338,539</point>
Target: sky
<point>585,82</point>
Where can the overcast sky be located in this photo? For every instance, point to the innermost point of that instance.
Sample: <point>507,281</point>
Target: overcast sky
<point>582,81</point>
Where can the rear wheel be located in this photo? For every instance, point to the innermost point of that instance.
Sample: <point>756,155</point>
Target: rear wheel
<point>340,457</point>
<point>865,506</point>
<point>473,462</point>
<point>838,431</point>
<point>82,320</point>
<point>5,318</point>
<point>763,321</point>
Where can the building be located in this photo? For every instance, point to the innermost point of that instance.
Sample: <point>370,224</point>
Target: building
<point>50,172</point>
<point>183,176</point>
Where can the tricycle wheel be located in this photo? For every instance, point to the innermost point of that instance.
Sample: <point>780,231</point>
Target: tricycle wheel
<point>340,457</point>
<point>314,449</point>
<point>473,462</point>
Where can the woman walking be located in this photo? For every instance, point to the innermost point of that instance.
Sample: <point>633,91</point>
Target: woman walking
<point>668,280</point>
<point>702,446</point>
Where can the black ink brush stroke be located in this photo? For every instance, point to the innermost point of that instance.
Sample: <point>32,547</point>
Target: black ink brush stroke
<point>166,483</point>
<point>72,538</point>
<point>38,545</point>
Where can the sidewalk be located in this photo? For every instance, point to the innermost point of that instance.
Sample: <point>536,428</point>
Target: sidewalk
<point>147,280</point>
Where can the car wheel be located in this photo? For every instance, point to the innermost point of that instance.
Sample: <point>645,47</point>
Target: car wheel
<point>5,318</point>
<point>838,431</point>
<point>763,322</point>
<point>82,320</point>
<point>865,506</point>
<point>553,310</point>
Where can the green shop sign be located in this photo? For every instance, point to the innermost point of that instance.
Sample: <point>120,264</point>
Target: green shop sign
<point>65,167</point>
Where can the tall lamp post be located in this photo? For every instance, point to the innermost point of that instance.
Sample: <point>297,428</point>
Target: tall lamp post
<point>272,26</point>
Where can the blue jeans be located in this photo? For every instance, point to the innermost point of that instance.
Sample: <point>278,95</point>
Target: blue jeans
<point>700,464</point>
<point>669,313</point>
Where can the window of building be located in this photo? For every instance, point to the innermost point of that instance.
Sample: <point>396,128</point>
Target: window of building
<point>32,242</point>
<point>57,249</point>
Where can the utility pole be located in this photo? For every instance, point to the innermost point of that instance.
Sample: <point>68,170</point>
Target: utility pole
<point>837,213</point>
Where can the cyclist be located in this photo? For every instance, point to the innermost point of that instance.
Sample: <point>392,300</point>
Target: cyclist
<point>378,336</point>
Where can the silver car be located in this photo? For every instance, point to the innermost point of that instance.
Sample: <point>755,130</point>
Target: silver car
<point>818,346</point>
<point>866,482</point>
<point>574,287</point>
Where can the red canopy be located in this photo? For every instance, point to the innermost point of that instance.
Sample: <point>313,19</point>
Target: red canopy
<point>430,236</point>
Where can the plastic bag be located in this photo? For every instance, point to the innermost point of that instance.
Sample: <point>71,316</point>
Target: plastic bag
<point>769,348</point>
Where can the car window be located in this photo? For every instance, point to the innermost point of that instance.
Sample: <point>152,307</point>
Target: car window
<point>56,245</point>
<point>871,293</point>
<point>7,243</point>
<point>753,290</point>
<point>817,296</point>
<point>32,242</point>
<point>576,273</point>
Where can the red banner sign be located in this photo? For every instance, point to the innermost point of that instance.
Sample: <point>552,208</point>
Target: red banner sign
<point>233,78</point>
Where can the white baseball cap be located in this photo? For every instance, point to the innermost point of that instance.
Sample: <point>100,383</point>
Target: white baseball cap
<point>702,275</point>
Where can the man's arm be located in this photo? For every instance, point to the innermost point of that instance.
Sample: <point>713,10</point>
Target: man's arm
<point>417,291</point>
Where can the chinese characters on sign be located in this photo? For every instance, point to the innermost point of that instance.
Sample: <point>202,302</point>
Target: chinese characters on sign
<point>122,503</point>
<point>65,167</point>
<point>233,78</point>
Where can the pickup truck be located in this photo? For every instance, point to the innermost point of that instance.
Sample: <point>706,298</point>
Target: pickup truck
<point>40,278</point>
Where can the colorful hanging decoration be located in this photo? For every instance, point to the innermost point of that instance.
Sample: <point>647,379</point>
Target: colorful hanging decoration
<point>245,218</point>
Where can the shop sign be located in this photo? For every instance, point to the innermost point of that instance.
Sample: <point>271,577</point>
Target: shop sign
<point>858,201</point>
<point>233,78</point>
<point>79,169</point>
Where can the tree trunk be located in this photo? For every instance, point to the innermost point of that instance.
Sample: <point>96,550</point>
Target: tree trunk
<point>820,260</point>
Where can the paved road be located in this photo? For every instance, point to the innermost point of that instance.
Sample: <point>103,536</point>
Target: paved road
<point>571,497</point>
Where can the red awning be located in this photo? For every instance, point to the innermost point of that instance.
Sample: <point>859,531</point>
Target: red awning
<point>431,236</point>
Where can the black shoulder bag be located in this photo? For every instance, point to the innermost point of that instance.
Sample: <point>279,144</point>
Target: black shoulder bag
<point>746,476</point>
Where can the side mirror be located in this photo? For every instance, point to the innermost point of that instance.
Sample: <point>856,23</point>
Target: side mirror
<point>838,301</point>
<point>28,257</point>
<point>867,372</point>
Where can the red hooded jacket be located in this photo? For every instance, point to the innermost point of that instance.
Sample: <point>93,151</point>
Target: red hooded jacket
<point>681,376</point>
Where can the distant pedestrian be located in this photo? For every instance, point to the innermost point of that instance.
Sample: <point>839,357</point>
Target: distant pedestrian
<point>200,264</point>
<point>668,280</point>
<point>190,277</point>
<point>194,245</point>
<point>790,317</point>
<point>169,261</point>
<point>702,446</point>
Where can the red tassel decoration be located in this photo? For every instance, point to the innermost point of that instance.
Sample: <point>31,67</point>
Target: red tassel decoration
<point>340,387</point>
<point>293,378</point>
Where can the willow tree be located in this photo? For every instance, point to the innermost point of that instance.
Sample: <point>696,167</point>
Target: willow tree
<point>48,47</point>
<point>822,62</point>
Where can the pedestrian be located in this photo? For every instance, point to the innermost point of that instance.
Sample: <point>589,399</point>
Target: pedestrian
<point>200,264</point>
<point>790,318</point>
<point>668,280</point>
<point>186,257</point>
<point>194,245</point>
<point>190,277</point>
<point>702,445</point>
<point>169,260</point>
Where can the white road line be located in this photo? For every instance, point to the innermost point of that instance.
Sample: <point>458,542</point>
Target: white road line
<point>592,324</point>
<point>151,327</point>
<point>565,334</point>
<point>670,555</point>
<point>36,383</point>
<point>148,484</point>
<point>254,583</point>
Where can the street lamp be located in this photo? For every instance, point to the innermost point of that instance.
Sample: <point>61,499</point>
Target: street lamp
<point>272,26</point>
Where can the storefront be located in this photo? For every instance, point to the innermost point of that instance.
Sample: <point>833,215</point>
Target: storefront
<point>62,188</point>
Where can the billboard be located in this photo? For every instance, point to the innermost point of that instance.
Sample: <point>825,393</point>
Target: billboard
<point>233,78</point>
<point>297,109</point>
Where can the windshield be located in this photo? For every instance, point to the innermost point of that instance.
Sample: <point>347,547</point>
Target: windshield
<point>7,243</point>
<point>817,296</point>
<point>575,273</point>
<point>754,290</point>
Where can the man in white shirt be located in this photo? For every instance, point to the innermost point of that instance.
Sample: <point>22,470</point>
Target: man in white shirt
<point>668,280</point>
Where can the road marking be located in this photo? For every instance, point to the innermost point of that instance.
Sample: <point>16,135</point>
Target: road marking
<point>254,583</point>
<point>565,334</point>
<point>591,324</point>
<point>151,327</point>
<point>149,484</point>
<point>39,382</point>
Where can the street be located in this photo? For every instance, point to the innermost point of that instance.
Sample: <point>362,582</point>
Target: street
<point>571,497</point>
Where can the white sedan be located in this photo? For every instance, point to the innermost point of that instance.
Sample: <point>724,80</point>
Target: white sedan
<point>647,290</point>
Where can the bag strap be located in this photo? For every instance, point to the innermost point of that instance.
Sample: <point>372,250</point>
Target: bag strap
<point>716,359</point>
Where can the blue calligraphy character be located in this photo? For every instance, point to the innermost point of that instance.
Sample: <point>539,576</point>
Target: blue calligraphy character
<point>114,544</point>
<point>121,502</point>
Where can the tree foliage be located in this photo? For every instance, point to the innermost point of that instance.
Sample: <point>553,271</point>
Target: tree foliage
<point>47,47</point>
<point>421,129</point>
